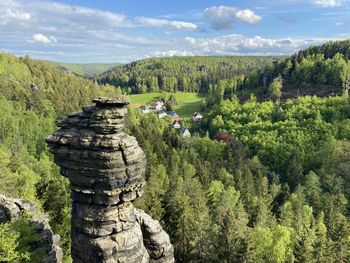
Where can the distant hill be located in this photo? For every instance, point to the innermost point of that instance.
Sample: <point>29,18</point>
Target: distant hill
<point>39,84</point>
<point>85,70</point>
<point>186,74</point>
<point>318,70</point>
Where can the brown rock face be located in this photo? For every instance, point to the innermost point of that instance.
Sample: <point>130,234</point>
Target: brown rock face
<point>106,169</point>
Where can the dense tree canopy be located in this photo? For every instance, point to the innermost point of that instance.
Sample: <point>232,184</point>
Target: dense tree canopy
<point>257,182</point>
<point>32,95</point>
<point>188,74</point>
<point>320,70</point>
<point>280,198</point>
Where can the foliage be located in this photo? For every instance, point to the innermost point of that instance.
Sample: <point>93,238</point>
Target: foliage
<point>186,74</point>
<point>32,95</point>
<point>272,186</point>
<point>8,244</point>
<point>275,88</point>
<point>40,87</point>
<point>313,70</point>
<point>18,241</point>
<point>86,70</point>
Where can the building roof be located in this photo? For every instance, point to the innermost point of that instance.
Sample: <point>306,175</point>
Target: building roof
<point>173,113</point>
<point>184,130</point>
<point>176,124</point>
<point>197,114</point>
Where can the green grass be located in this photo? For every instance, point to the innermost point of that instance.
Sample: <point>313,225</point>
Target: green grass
<point>188,103</point>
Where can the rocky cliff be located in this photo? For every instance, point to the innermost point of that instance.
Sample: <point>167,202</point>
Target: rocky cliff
<point>106,170</point>
<point>12,209</point>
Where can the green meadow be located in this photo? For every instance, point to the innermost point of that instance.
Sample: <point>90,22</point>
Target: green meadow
<point>188,103</point>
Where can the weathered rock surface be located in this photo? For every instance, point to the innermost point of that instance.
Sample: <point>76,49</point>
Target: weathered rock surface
<point>156,240</point>
<point>106,170</point>
<point>12,209</point>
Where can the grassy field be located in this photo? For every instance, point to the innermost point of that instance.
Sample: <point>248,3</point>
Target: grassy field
<point>188,103</point>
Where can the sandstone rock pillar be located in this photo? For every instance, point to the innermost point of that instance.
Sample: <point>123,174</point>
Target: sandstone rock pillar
<point>106,170</point>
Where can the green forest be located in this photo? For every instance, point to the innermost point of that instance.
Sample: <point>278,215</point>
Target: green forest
<point>88,70</point>
<point>318,70</point>
<point>321,70</point>
<point>187,74</point>
<point>33,95</point>
<point>263,178</point>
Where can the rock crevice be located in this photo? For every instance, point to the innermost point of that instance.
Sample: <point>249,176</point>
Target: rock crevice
<point>106,170</point>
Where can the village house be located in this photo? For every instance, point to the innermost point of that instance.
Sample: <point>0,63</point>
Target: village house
<point>185,133</point>
<point>162,115</point>
<point>197,117</point>
<point>157,105</point>
<point>176,125</point>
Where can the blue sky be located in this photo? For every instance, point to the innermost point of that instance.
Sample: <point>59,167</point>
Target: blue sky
<point>127,30</point>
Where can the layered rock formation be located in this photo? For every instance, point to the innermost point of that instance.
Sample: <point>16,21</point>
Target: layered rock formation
<point>106,169</point>
<point>12,209</point>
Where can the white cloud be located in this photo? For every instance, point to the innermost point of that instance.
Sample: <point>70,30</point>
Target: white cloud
<point>40,38</point>
<point>190,40</point>
<point>328,3</point>
<point>323,3</point>
<point>64,17</point>
<point>248,16</point>
<point>70,17</point>
<point>81,34</point>
<point>13,13</point>
<point>224,17</point>
<point>239,44</point>
<point>170,53</point>
<point>166,24</point>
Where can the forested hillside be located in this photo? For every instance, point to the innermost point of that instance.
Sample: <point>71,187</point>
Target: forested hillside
<point>263,182</point>
<point>32,95</point>
<point>188,74</point>
<point>258,181</point>
<point>272,185</point>
<point>321,70</point>
<point>87,70</point>
<point>37,85</point>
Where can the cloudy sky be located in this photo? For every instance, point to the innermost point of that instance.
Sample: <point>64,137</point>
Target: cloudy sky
<point>127,30</point>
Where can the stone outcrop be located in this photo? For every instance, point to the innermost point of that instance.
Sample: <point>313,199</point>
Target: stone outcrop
<point>106,170</point>
<point>12,209</point>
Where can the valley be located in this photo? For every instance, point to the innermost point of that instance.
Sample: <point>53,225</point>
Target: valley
<point>262,177</point>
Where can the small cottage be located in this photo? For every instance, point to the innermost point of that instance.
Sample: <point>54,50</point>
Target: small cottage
<point>176,125</point>
<point>185,133</point>
<point>197,117</point>
<point>162,115</point>
<point>157,105</point>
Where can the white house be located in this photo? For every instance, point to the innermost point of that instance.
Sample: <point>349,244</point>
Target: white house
<point>157,105</point>
<point>197,117</point>
<point>162,115</point>
<point>185,133</point>
<point>176,125</point>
